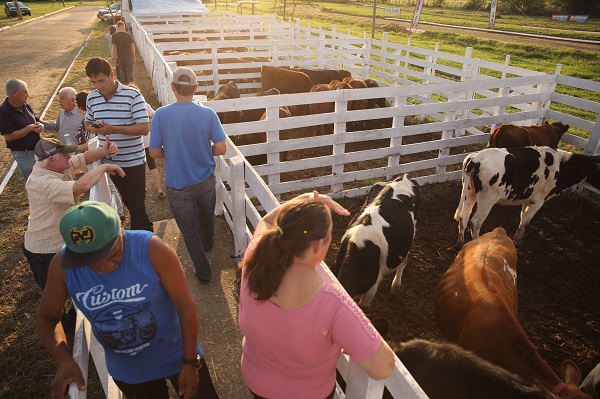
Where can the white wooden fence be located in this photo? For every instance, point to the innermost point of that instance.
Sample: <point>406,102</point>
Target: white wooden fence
<point>457,99</point>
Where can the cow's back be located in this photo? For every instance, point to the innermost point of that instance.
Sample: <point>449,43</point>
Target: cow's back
<point>479,288</point>
<point>285,80</point>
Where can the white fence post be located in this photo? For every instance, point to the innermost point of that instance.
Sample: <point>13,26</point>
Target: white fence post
<point>238,203</point>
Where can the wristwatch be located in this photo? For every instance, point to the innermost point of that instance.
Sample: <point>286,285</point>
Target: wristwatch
<point>193,362</point>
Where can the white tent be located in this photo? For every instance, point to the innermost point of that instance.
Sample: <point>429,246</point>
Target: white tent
<point>162,7</point>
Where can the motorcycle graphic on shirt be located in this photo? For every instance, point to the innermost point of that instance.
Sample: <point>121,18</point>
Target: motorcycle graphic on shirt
<point>125,329</point>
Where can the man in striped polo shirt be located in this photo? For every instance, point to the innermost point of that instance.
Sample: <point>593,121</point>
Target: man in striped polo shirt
<point>120,111</point>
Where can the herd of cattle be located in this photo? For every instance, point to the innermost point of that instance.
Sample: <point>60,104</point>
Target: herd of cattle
<point>476,300</point>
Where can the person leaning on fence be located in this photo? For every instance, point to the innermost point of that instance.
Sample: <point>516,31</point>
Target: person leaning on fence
<point>51,190</point>
<point>131,287</point>
<point>294,324</point>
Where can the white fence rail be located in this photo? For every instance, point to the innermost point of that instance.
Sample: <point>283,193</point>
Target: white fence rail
<point>456,99</point>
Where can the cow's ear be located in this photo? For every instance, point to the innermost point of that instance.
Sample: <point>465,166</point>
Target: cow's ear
<point>570,373</point>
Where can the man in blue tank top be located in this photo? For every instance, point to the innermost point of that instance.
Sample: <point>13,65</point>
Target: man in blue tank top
<point>131,287</point>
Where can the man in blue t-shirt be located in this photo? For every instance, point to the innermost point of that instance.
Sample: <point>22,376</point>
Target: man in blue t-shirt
<point>131,287</point>
<point>188,136</point>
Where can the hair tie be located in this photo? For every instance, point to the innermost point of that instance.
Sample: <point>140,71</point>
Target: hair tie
<point>280,230</point>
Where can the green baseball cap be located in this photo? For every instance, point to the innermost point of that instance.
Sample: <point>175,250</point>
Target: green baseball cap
<point>49,146</point>
<point>89,229</point>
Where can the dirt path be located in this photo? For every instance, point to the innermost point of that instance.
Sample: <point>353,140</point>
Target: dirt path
<point>39,53</point>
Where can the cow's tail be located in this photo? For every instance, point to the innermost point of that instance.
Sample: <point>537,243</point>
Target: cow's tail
<point>466,186</point>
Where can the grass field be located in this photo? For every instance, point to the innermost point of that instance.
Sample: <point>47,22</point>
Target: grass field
<point>46,7</point>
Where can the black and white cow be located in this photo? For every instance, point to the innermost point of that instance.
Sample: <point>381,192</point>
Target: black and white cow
<point>378,239</point>
<point>591,384</point>
<point>526,176</point>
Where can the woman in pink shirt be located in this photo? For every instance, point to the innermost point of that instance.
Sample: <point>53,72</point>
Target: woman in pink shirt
<point>294,324</point>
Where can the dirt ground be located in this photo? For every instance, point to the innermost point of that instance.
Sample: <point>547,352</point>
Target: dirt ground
<point>558,277</point>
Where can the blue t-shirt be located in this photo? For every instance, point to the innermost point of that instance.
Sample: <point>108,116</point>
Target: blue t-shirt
<point>131,314</point>
<point>185,130</point>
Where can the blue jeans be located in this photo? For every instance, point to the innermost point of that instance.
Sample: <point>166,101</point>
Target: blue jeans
<point>25,161</point>
<point>194,211</point>
<point>39,264</point>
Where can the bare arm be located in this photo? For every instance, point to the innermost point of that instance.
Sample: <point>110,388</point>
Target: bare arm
<point>51,333</point>
<point>169,269</point>
<point>109,148</point>
<point>380,364</point>
<point>268,221</point>
<point>132,44</point>
<point>89,179</point>
<point>36,127</point>
<point>114,51</point>
<point>156,154</point>
<point>219,148</point>
<point>139,129</point>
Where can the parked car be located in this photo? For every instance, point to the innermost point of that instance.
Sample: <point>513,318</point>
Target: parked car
<point>114,7</point>
<point>109,17</point>
<point>11,10</point>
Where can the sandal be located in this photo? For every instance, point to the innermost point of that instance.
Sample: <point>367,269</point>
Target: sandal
<point>161,194</point>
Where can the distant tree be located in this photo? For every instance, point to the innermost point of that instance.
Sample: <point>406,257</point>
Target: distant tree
<point>591,7</point>
<point>527,7</point>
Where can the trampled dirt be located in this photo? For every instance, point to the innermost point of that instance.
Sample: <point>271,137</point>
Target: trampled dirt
<point>558,272</point>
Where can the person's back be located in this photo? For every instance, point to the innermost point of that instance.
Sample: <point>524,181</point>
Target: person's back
<point>187,161</point>
<point>123,40</point>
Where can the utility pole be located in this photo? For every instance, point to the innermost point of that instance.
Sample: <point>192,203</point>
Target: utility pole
<point>374,15</point>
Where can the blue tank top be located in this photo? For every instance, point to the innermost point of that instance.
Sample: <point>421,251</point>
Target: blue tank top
<point>131,314</point>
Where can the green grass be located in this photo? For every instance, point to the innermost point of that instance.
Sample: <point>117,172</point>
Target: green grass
<point>44,7</point>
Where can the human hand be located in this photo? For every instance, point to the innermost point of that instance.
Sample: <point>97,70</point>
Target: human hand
<point>188,381</point>
<point>66,372</point>
<point>111,148</point>
<point>113,169</point>
<point>330,203</point>
<point>37,127</point>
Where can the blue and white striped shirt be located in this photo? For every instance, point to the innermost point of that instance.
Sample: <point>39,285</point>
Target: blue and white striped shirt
<point>125,108</point>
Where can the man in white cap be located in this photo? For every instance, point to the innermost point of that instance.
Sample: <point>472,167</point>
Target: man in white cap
<point>131,287</point>
<point>51,190</point>
<point>188,136</point>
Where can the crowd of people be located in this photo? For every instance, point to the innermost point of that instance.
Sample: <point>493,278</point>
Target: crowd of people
<point>130,284</point>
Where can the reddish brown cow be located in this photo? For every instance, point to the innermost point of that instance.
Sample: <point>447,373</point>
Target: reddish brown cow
<point>510,136</point>
<point>476,306</point>
<point>226,92</point>
<point>285,80</point>
<point>320,108</point>
<point>324,76</point>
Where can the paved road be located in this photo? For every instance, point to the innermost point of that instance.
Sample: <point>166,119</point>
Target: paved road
<point>39,52</point>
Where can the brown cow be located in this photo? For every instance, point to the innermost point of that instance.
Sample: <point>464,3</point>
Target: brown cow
<point>285,80</point>
<point>226,92</point>
<point>324,76</point>
<point>447,371</point>
<point>475,306</point>
<point>252,115</point>
<point>510,136</point>
<point>320,108</point>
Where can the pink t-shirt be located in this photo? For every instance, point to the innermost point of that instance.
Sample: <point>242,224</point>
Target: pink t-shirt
<point>292,354</point>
